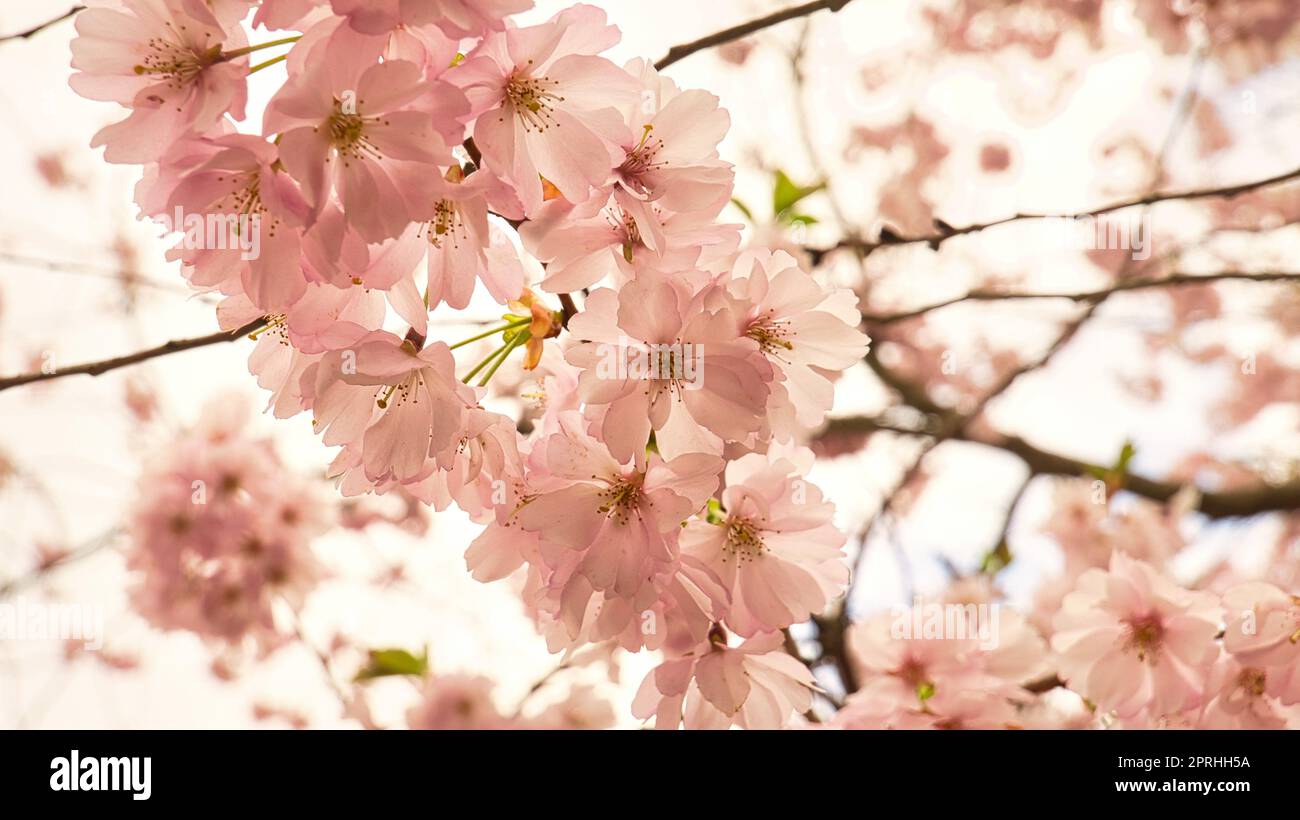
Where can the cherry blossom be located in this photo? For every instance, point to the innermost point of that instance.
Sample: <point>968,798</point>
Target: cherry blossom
<point>1129,639</point>
<point>755,684</point>
<point>166,63</point>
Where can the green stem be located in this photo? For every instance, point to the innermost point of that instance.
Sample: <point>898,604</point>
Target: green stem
<point>492,332</point>
<point>240,52</point>
<point>268,63</point>
<point>522,338</point>
<point>495,353</point>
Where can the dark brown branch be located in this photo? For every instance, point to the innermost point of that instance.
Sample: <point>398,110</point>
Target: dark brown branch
<point>946,232</point>
<point>1223,504</point>
<point>685,50</point>
<point>1173,280</point>
<point>167,348</point>
<point>37,29</point>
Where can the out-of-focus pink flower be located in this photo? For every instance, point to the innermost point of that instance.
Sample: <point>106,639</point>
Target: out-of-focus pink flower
<point>164,60</point>
<point>221,530</point>
<point>1264,631</point>
<point>775,550</point>
<point>457,702</point>
<point>1236,698</point>
<point>756,685</point>
<point>1129,639</point>
<point>546,106</point>
<point>941,665</point>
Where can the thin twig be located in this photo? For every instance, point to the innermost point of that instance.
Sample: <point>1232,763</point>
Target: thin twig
<point>167,348</point>
<point>945,232</point>
<point>685,50</point>
<point>1173,280</point>
<point>37,29</point>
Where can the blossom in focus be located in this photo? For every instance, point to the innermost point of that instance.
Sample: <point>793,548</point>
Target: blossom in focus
<point>806,332</point>
<point>397,405</point>
<point>706,383</point>
<point>372,133</point>
<point>774,547</point>
<point>546,106</point>
<point>756,685</point>
<point>164,60</point>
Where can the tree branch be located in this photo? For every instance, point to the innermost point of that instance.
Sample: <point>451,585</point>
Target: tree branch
<point>685,50</point>
<point>1173,280</point>
<point>37,29</point>
<point>1224,504</point>
<point>945,232</point>
<point>167,348</point>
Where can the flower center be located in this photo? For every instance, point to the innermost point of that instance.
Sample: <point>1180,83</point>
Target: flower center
<point>176,62</point>
<point>772,334</point>
<point>621,498</point>
<point>1144,636</point>
<point>446,223</point>
<point>744,543</point>
<point>532,99</point>
<point>1251,680</point>
<point>642,159</point>
<point>347,129</point>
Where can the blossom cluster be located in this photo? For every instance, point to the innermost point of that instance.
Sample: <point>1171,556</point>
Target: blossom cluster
<point>419,149</point>
<point>221,535</point>
<point>1115,641</point>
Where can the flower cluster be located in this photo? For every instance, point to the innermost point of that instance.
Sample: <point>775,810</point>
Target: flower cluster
<point>417,150</point>
<point>221,534</point>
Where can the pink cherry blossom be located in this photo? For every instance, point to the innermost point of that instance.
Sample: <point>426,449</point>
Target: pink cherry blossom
<point>934,666</point>
<point>1264,631</point>
<point>371,132</point>
<point>802,329</point>
<point>260,212</point>
<point>166,64</point>
<point>774,546</point>
<point>1130,639</point>
<point>755,685</point>
<point>621,518</point>
<point>546,106</point>
<point>221,531</point>
<point>654,361</point>
<point>1236,698</point>
<point>399,406</point>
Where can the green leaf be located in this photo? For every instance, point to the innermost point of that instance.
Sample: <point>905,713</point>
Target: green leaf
<point>786,194</point>
<point>1126,454</point>
<point>744,209</point>
<point>802,219</point>
<point>714,513</point>
<point>385,663</point>
<point>997,559</point>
